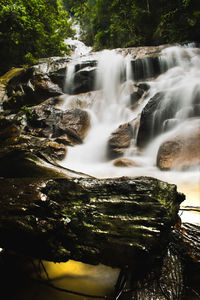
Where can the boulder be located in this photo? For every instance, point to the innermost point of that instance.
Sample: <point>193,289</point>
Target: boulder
<point>120,140</point>
<point>182,148</point>
<point>124,162</point>
<point>51,122</point>
<point>73,122</point>
<point>117,222</point>
<point>18,163</point>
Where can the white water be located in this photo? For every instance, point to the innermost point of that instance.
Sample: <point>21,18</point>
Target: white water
<point>78,48</point>
<point>110,107</point>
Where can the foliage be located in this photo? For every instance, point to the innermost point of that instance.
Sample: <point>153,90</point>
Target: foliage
<point>30,29</point>
<point>119,23</point>
<point>180,23</point>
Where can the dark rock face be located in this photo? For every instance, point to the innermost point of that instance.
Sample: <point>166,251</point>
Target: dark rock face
<point>136,96</point>
<point>111,221</point>
<point>148,128</point>
<point>163,112</point>
<point>120,140</point>
<point>83,78</point>
<point>147,67</point>
<point>143,86</point>
<point>84,81</point>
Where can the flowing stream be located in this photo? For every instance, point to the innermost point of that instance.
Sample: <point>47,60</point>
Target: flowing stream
<point>109,107</point>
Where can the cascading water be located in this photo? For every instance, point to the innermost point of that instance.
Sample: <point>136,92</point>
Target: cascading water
<point>176,94</point>
<point>109,109</point>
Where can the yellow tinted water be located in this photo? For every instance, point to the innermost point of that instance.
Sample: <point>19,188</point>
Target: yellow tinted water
<point>93,280</point>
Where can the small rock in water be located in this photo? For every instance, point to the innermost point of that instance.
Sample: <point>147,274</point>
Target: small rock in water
<point>124,162</point>
<point>120,140</point>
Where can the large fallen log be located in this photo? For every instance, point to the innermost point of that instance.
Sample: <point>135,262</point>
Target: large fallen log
<point>116,222</point>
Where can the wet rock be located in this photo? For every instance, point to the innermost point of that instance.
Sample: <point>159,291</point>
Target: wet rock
<point>5,79</point>
<point>148,128</point>
<point>83,78</point>
<point>73,122</point>
<point>36,84</point>
<point>35,91</point>
<point>124,162</point>
<point>117,222</point>
<point>38,134</point>
<point>176,276</point>
<point>182,148</point>
<point>21,147</point>
<point>47,121</point>
<point>85,64</point>
<point>55,150</point>
<point>19,150</point>
<point>144,86</point>
<point>63,139</point>
<point>146,67</point>
<point>120,140</point>
<point>51,65</point>
<point>136,96</point>
<point>10,132</point>
<point>84,81</point>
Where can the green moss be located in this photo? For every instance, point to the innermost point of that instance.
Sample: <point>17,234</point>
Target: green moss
<point>9,75</point>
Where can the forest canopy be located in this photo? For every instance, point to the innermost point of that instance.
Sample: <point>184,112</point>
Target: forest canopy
<point>31,29</point>
<point>119,23</point>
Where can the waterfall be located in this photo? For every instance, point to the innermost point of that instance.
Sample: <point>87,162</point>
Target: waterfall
<point>170,82</point>
<point>108,110</point>
<point>69,79</point>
